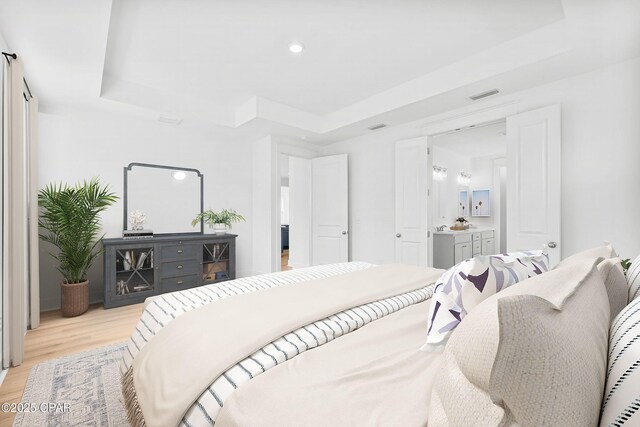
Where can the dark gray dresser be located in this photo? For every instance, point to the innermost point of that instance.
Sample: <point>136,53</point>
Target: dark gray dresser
<point>137,269</point>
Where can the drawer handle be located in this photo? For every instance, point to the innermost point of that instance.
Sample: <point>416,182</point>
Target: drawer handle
<point>180,267</point>
<point>180,251</point>
<point>179,282</point>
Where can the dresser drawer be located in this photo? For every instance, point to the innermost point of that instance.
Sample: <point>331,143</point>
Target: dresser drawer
<point>179,268</point>
<point>487,234</point>
<point>461,238</point>
<point>476,236</point>
<point>179,252</point>
<point>477,247</point>
<point>170,284</point>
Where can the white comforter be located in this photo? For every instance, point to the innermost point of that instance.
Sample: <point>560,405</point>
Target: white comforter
<point>165,308</point>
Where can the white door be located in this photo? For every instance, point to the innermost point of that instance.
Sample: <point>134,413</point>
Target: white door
<point>330,207</point>
<point>533,181</point>
<point>411,201</point>
<point>299,212</point>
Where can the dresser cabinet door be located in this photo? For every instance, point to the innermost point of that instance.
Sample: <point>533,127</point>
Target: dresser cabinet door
<point>218,261</point>
<point>130,274</point>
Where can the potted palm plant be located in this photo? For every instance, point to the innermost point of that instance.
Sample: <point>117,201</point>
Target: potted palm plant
<point>70,220</point>
<point>219,222</point>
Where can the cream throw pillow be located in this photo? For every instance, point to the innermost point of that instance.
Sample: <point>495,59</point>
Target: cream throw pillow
<point>604,252</point>
<point>533,354</point>
<point>615,283</point>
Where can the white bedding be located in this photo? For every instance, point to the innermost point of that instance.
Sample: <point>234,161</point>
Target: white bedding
<point>162,310</point>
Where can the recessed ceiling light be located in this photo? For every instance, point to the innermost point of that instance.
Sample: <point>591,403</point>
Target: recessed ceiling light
<point>179,175</point>
<point>296,47</point>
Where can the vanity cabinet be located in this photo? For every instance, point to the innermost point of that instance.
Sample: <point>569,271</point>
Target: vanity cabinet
<point>135,269</point>
<point>488,245</point>
<point>462,251</point>
<point>453,247</point>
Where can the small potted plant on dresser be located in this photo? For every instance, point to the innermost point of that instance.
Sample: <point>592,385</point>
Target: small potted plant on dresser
<point>70,218</point>
<point>218,222</point>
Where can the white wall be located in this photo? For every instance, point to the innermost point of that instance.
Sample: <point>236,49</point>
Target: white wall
<point>600,173</point>
<point>76,146</point>
<point>285,207</point>
<point>266,205</point>
<point>445,192</point>
<point>482,172</point>
<point>371,191</point>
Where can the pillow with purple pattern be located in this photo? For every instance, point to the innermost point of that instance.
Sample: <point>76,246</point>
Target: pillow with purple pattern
<point>470,282</point>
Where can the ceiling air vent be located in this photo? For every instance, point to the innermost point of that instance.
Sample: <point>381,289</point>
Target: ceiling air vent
<point>484,94</point>
<point>169,119</point>
<point>378,126</point>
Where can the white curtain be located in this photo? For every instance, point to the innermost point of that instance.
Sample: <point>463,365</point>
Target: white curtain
<point>32,207</point>
<point>20,212</point>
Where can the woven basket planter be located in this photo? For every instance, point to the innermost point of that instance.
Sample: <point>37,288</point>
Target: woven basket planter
<point>75,298</point>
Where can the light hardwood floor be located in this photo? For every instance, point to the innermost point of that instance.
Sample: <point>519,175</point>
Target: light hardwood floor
<point>284,265</point>
<point>58,336</point>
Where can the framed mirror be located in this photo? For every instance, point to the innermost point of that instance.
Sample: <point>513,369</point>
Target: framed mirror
<point>170,197</point>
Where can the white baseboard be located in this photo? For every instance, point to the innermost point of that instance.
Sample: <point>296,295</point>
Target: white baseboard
<point>3,375</point>
<point>295,264</point>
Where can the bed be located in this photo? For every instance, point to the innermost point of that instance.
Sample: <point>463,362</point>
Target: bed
<point>395,318</point>
<point>238,353</point>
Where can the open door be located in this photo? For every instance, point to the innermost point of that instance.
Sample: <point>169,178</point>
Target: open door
<point>330,207</point>
<point>533,181</point>
<point>411,201</point>
<point>299,212</point>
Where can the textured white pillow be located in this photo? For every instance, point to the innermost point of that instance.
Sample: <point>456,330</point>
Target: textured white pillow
<point>615,283</point>
<point>633,279</point>
<point>467,284</point>
<point>604,252</point>
<point>533,354</point>
<point>621,402</point>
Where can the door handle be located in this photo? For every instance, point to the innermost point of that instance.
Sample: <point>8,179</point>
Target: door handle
<point>179,267</point>
<point>344,233</point>
<point>398,235</point>
<point>552,245</point>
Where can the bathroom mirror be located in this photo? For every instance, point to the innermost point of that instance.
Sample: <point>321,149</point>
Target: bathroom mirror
<point>170,197</point>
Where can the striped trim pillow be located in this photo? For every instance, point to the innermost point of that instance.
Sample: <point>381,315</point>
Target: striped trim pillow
<point>621,401</point>
<point>633,278</point>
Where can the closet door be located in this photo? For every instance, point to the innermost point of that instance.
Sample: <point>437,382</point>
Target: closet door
<point>330,206</point>
<point>411,202</point>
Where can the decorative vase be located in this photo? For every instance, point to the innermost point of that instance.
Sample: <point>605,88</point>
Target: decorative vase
<point>127,261</point>
<point>219,228</point>
<point>74,298</point>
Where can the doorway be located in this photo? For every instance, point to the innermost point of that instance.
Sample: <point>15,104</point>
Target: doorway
<point>466,184</point>
<point>285,209</point>
<point>295,212</point>
<point>314,210</point>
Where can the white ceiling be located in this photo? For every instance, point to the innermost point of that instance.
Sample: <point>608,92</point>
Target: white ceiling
<point>224,67</point>
<point>229,51</point>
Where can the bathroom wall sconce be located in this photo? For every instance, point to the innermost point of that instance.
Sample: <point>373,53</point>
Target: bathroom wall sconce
<point>464,178</point>
<point>439,173</point>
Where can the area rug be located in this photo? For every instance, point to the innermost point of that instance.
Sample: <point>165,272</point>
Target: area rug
<point>82,389</point>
